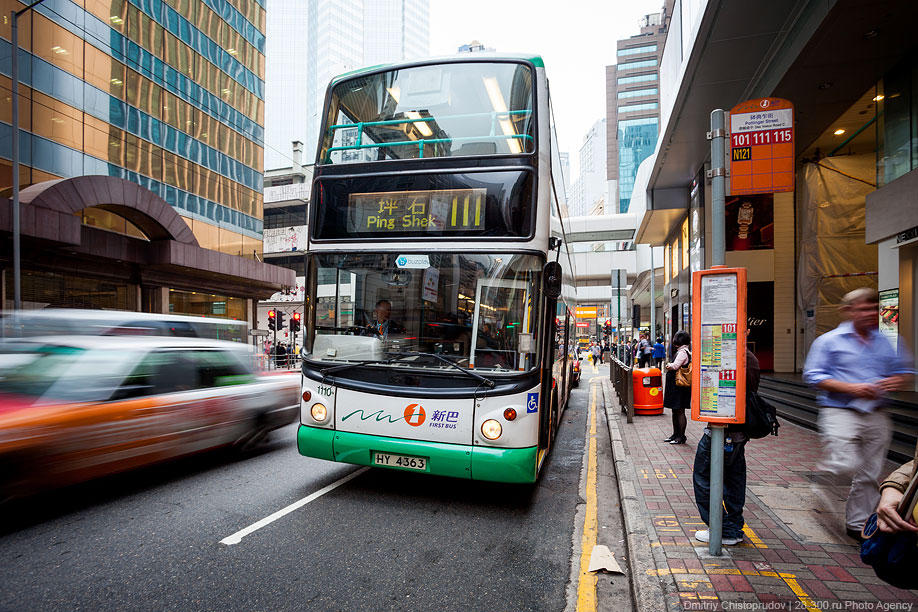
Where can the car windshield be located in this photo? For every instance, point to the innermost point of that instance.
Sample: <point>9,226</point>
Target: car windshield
<point>62,373</point>
<point>447,110</point>
<point>476,310</point>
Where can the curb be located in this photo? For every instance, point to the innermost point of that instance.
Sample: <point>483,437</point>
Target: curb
<point>647,590</point>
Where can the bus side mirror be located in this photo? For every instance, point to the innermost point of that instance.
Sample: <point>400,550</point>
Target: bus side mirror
<point>551,280</point>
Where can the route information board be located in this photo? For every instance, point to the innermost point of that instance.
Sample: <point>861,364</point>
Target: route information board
<point>719,345</point>
<point>762,146</point>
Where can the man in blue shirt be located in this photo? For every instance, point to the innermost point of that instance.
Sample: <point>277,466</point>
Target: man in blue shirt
<point>659,353</point>
<point>854,367</point>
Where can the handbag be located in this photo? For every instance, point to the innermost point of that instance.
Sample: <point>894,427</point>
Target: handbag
<point>761,417</point>
<point>684,374</point>
<point>893,556</point>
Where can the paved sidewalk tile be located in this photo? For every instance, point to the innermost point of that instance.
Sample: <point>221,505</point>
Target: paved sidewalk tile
<point>794,557</point>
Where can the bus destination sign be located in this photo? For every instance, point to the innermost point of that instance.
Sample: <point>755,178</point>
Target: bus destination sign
<point>762,146</point>
<point>412,211</point>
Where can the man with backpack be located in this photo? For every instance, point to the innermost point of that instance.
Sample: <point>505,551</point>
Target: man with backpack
<point>734,468</point>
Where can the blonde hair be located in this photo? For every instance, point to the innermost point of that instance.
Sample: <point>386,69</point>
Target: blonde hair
<point>863,294</point>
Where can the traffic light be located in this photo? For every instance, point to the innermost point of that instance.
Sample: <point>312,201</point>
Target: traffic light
<point>295,322</point>
<point>280,320</point>
<point>272,325</point>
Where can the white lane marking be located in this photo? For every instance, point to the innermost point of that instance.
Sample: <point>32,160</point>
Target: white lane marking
<point>237,537</point>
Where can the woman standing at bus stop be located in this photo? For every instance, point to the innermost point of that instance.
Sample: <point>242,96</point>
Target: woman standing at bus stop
<point>677,398</point>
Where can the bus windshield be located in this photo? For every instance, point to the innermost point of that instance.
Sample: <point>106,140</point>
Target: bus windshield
<point>476,310</point>
<point>446,110</point>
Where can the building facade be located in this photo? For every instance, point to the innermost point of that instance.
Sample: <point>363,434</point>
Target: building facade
<point>849,70</point>
<point>344,36</point>
<point>286,79</point>
<point>287,192</point>
<point>590,192</point>
<point>167,97</point>
<point>633,104</point>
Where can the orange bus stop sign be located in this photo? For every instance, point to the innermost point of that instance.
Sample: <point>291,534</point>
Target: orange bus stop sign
<point>719,345</point>
<point>762,146</point>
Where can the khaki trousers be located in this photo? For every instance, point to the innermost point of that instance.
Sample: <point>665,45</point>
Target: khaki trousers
<point>854,452</point>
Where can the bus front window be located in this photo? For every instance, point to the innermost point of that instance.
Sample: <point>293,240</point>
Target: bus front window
<point>447,110</point>
<point>476,310</point>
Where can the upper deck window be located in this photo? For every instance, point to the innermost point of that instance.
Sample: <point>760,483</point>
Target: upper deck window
<point>443,110</point>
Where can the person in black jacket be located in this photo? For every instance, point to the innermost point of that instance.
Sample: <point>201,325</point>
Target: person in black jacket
<point>734,471</point>
<point>676,398</point>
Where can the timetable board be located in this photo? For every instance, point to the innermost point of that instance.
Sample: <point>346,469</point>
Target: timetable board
<point>719,345</point>
<point>761,146</point>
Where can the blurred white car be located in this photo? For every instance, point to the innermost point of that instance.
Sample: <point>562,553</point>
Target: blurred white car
<point>77,407</point>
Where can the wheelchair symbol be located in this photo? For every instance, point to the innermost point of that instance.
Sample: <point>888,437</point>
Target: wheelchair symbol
<point>532,402</point>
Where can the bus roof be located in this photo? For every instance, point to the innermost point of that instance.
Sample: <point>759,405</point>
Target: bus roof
<point>445,59</point>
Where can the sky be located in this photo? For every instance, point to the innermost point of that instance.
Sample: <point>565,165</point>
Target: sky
<point>576,39</point>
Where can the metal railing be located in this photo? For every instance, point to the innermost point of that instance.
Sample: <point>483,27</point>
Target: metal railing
<point>620,375</point>
<point>359,144</point>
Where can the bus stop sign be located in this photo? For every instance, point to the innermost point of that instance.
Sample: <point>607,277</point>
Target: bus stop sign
<point>719,345</point>
<point>761,146</point>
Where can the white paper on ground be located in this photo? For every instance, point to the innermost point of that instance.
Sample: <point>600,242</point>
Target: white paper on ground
<point>602,559</point>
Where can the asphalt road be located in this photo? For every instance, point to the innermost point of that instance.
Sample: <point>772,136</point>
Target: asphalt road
<point>385,540</point>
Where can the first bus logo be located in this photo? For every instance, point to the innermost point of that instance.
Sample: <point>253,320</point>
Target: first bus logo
<point>415,415</point>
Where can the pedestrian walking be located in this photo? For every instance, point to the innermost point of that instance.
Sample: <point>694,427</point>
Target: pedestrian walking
<point>597,354</point>
<point>602,352</point>
<point>854,367</point>
<point>734,491</point>
<point>659,353</point>
<point>677,398</point>
<point>646,351</point>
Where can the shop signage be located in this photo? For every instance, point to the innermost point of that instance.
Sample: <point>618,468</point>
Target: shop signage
<point>285,239</point>
<point>719,367</point>
<point>907,236</point>
<point>761,146</point>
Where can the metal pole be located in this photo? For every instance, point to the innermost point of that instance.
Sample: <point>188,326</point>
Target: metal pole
<point>718,196</point>
<point>17,285</point>
<point>653,300</point>
<point>618,300</point>
<point>14,73</point>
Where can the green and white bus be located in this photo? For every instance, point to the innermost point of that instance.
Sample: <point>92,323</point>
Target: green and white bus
<point>438,332</point>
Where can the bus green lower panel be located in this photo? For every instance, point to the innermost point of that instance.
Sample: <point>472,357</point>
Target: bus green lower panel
<point>454,460</point>
<point>505,464</point>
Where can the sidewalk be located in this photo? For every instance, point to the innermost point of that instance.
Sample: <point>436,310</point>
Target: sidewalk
<point>793,558</point>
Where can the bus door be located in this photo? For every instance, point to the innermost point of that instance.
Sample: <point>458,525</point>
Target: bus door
<point>497,341</point>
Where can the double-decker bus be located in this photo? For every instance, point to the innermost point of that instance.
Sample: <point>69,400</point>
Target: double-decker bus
<point>438,333</point>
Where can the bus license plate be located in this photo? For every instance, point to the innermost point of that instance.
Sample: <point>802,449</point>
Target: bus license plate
<point>402,461</point>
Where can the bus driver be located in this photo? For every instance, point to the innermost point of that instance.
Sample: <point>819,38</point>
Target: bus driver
<point>383,325</point>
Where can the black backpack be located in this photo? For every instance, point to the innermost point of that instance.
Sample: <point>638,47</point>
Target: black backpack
<point>761,417</point>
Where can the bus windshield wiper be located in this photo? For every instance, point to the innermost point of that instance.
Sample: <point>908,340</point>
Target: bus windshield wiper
<point>351,364</point>
<point>487,381</point>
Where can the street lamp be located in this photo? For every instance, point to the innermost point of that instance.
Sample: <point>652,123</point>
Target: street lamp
<point>17,280</point>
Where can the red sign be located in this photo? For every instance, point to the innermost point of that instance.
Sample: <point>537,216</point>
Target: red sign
<point>762,146</point>
<point>583,325</point>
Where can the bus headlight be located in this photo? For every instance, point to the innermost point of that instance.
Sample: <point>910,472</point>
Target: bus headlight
<point>319,412</point>
<point>491,429</point>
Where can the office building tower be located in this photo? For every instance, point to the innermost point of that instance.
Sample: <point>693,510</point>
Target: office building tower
<point>589,190</point>
<point>152,114</point>
<point>286,79</point>
<point>344,36</point>
<point>633,103</point>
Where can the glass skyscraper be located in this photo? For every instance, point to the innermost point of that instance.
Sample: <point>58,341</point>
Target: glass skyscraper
<point>344,35</point>
<point>168,94</point>
<point>632,103</point>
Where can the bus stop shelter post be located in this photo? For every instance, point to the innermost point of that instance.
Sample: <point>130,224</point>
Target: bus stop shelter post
<point>718,257</point>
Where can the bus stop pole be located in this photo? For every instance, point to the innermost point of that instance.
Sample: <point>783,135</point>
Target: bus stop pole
<point>653,302</point>
<point>718,257</point>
